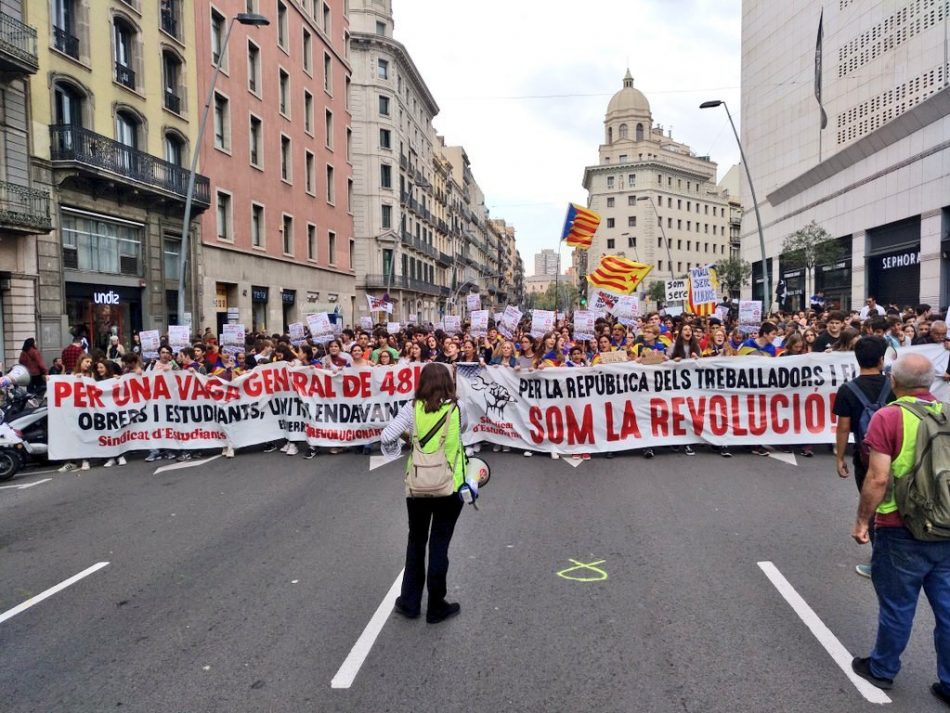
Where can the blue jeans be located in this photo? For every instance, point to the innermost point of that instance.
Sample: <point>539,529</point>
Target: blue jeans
<point>900,566</point>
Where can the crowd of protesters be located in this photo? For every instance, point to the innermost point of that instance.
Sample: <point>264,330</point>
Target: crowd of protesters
<point>652,338</point>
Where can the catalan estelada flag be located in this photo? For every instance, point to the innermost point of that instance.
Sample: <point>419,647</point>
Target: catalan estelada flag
<point>579,226</point>
<point>618,274</point>
<point>708,277</point>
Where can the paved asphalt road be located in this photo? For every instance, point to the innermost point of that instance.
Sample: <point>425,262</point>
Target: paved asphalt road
<point>242,586</point>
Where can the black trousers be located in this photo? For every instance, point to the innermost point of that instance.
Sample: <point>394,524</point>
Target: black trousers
<point>431,520</point>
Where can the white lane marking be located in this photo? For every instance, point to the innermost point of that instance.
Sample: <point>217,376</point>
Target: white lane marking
<point>825,637</point>
<point>185,464</point>
<point>351,665</point>
<point>25,485</point>
<point>784,457</point>
<point>573,462</point>
<point>51,591</point>
<point>379,461</point>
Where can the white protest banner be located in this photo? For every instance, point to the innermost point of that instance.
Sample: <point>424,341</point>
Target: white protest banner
<point>627,310</point>
<point>184,410</point>
<point>584,325</point>
<point>179,337</point>
<point>453,324</point>
<point>151,341</point>
<point>336,326</point>
<point>473,301</point>
<point>676,291</point>
<point>702,290</point>
<point>479,322</point>
<point>233,337</point>
<point>720,401</point>
<point>393,327</point>
<point>750,314</point>
<point>497,316</point>
<point>366,324</point>
<point>673,310</point>
<point>378,304</point>
<point>722,313</point>
<point>297,334</point>
<point>938,355</point>
<point>542,322</point>
<point>321,331</point>
<point>509,321</point>
<point>601,300</point>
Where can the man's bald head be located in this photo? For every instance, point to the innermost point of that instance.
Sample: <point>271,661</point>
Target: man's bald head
<point>912,372</point>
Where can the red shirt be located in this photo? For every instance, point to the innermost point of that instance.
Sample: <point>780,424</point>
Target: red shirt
<point>71,355</point>
<point>886,435</point>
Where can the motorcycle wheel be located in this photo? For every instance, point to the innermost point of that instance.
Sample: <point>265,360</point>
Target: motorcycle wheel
<point>10,464</point>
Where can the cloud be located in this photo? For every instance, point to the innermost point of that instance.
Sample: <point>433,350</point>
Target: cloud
<point>524,86</point>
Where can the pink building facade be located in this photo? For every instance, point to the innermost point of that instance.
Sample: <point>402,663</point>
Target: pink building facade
<point>277,242</point>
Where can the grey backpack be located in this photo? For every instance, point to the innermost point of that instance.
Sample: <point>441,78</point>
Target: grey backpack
<point>923,494</point>
<point>430,475</point>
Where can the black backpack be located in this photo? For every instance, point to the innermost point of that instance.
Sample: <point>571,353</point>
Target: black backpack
<point>869,409</point>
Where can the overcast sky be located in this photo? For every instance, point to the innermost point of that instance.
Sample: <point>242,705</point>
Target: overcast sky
<point>523,85</point>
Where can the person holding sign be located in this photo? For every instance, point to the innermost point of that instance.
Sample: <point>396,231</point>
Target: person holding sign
<point>433,421</point>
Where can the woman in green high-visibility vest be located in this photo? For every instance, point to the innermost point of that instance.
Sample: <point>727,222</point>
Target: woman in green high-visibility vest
<point>431,519</point>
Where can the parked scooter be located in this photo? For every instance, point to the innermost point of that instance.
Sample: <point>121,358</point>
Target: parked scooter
<point>19,407</point>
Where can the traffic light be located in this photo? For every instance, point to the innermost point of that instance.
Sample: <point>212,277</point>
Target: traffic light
<point>583,301</point>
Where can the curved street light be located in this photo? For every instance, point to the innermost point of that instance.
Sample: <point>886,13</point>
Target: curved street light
<point>766,283</point>
<point>245,18</point>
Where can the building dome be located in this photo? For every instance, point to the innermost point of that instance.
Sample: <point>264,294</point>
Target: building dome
<point>628,100</point>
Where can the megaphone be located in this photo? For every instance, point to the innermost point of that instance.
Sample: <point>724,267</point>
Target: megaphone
<point>18,375</point>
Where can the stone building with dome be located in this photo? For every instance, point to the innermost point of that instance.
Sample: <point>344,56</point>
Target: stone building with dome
<point>659,202</point>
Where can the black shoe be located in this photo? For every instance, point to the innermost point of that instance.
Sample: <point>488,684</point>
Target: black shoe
<point>942,692</point>
<point>862,667</point>
<point>724,452</point>
<point>401,608</point>
<point>609,454</point>
<point>311,454</point>
<point>270,447</point>
<point>184,457</point>
<point>688,450</point>
<point>442,612</point>
<point>648,453</point>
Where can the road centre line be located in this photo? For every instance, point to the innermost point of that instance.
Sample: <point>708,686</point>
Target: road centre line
<point>351,665</point>
<point>825,637</point>
<point>51,591</point>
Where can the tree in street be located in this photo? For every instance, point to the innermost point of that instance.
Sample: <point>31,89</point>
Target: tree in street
<point>808,248</point>
<point>734,273</point>
<point>567,297</point>
<point>657,291</point>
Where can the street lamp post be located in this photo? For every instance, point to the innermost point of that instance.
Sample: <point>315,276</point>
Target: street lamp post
<point>635,255</point>
<point>659,221</point>
<point>245,18</point>
<point>766,283</point>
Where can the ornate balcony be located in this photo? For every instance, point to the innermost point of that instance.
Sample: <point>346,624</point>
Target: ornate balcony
<point>100,158</point>
<point>173,102</point>
<point>24,209</point>
<point>124,75</point>
<point>17,46</point>
<point>400,282</point>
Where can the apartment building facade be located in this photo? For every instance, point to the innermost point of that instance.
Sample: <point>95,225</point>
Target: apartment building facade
<point>277,242</point>
<point>24,207</point>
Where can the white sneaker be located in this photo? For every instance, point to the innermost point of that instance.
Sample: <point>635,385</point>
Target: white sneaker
<point>121,461</point>
<point>506,449</point>
<point>68,467</point>
<point>85,465</point>
<point>109,463</point>
<point>469,451</point>
<point>284,448</point>
<point>228,452</point>
<point>292,451</point>
<point>527,454</point>
<point>495,448</point>
<point>477,448</point>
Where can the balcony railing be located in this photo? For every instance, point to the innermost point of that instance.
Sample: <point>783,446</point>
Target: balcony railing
<point>65,42</point>
<point>400,282</point>
<point>124,75</point>
<point>169,23</point>
<point>24,207</point>
<point>173,102</point>
<point>17,44</point>
<point>444,259</point>
<point>91,150</point>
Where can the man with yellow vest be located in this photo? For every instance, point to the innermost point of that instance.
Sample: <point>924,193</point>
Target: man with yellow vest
<point>901,565</point>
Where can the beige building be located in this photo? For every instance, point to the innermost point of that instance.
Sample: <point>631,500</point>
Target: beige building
<point>658,201</point>
<point>537,284</point>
